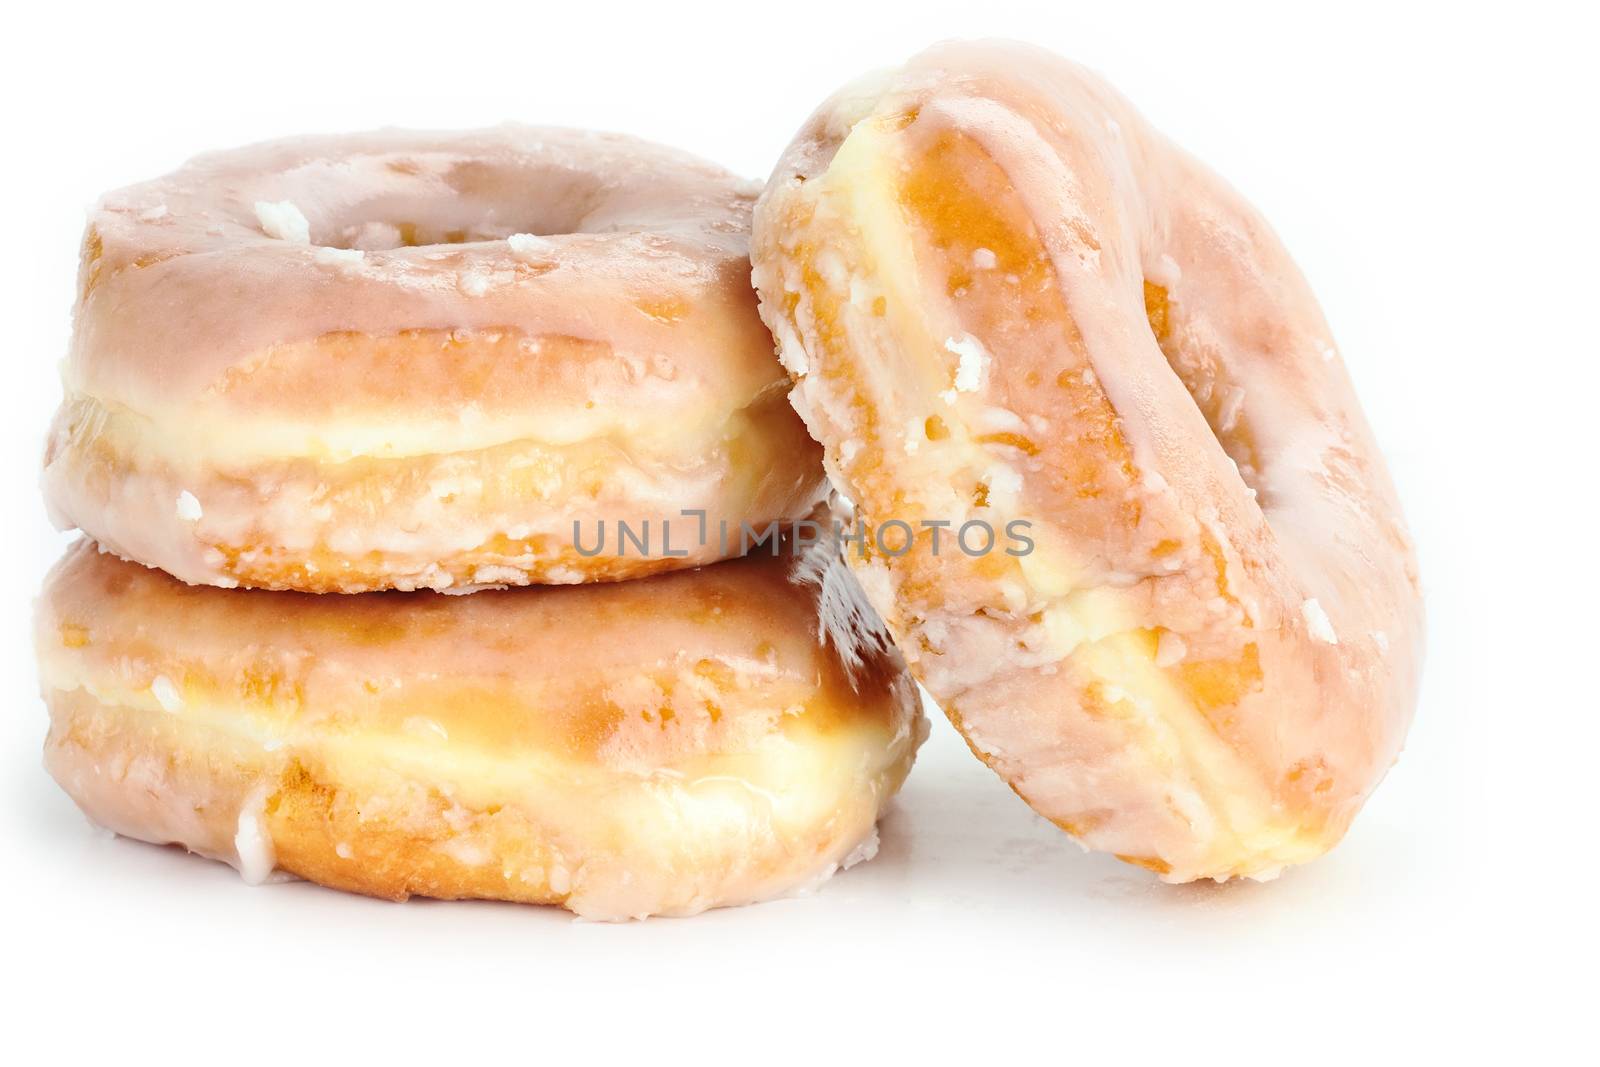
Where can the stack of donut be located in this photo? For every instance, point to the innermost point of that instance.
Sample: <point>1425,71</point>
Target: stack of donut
<point>319,383</point>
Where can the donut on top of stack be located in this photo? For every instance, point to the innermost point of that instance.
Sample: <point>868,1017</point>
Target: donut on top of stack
<point>443,362</point>
<point>423,360</point>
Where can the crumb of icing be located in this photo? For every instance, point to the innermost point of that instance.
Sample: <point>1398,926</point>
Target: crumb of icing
<point>994,419</point>
<point>493,575</point>
<point>1318,623</point>
<point>166,694</point>
<point>984,259</point>
<point>281,219</point>
<point>151,214</point>
<point>791,353</point>
<point>473,283</point>
<point>864,851</point>
<point>188,507</point>
<point>528,247</point>
<point>562,575</point>
<point>973,358</point>
<point>252,845</point>
<point>339,257</point>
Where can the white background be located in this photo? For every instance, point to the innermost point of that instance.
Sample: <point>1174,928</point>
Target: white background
<point>1434,172</point>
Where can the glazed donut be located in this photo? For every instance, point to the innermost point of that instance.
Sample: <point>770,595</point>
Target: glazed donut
<point>421,360</point>
<point>1007,300</point>
<point>653,747</point>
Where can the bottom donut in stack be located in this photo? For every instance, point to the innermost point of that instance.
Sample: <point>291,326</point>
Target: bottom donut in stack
<point>653,747</point>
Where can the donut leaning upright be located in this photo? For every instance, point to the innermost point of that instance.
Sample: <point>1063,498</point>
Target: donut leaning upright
<point>1005,298</point>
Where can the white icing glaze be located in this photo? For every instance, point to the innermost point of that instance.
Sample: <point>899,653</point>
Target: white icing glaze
<point>1318,623</point>
<point>282,221</point>
<point>166,694</point>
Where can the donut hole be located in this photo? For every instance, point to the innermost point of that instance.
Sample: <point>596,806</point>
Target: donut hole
<point>465,203</point>
<point>976,225</point>
<point>1221,401</point>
